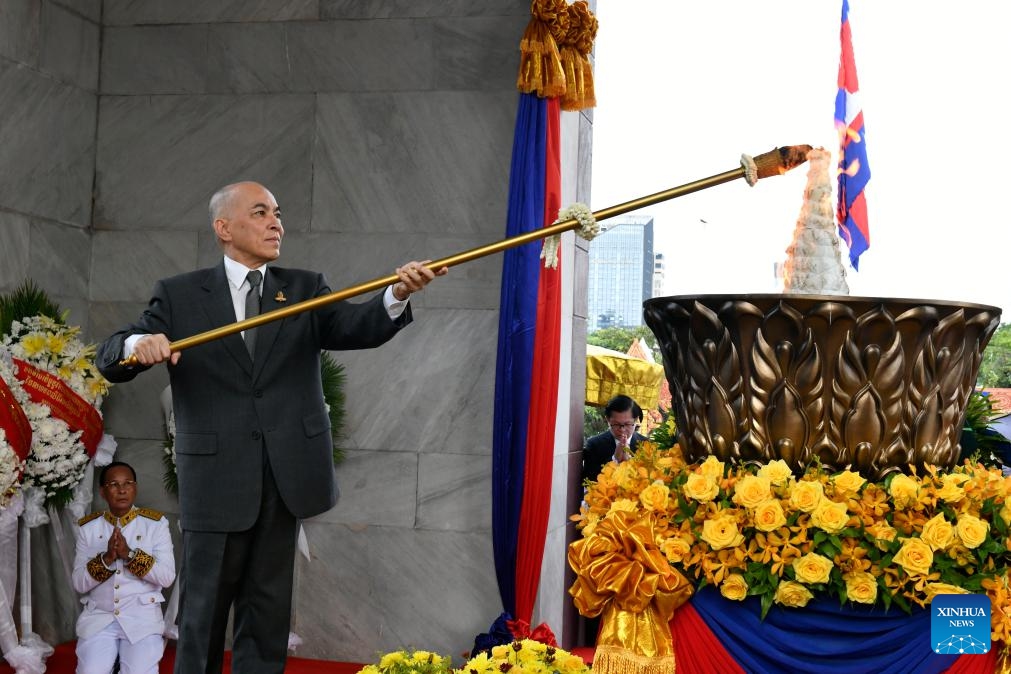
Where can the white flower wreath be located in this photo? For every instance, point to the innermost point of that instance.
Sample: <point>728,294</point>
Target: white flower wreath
<point>588,229</point>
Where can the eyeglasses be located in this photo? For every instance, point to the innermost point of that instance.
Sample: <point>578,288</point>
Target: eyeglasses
<point>116,486</point>
<point>622,427</point>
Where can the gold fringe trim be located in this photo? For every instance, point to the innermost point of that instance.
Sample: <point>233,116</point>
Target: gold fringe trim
<point>541,70</point>
<point>617,660</point>
<point>576,45</point>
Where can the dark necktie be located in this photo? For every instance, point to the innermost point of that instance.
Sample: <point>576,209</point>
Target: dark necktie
<point>252,308</point>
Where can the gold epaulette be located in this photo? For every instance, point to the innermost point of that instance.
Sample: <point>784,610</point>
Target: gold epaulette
<point>87,518</point>
<point>149,513</point>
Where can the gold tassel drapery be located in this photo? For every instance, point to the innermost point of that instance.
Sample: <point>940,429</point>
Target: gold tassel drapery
<point>575,47</point>
<point>554,53</point>
<point>623,577</point>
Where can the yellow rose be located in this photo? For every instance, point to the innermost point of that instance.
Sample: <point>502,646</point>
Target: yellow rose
<point>861,587</point>
<point>938,532</point>
<point>769,515</point>
<point>734,587</point>
<point>626,505</point>
<point>712,467</point>
<point>702,488</point>
<point>812,568</point>
<point>752,490</point>
<point>848,483</point>
<point>776,471</point>
<point>676,549</point>
<point>933,589</point>
<point>914,556</point>
<point>904,490</point>
<point>790,593</point>
<point>882,531</point>
<point>971,530</point>
<point>806,495</point>
<point>951,487</point>
<point>721,532</point>
<point>655,496</point>
<point>830,516</point>
<point>1005,513</point>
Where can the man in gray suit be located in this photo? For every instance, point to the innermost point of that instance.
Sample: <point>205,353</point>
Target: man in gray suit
<point>253,445</point>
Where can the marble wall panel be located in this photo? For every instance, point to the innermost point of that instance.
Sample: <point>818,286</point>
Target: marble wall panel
<point>89,9</point>
<point>453,490</point>
<point>160,158</point>
<point>48,141</point>
<point>552,598</point>
<point>389,9</point>
<point>248,57</point>
<point>584,157</point>
<point>356,56</point>
<point>352,259</point>
<point>59,260</point>
<point>126,265</point>
<point>420,162</point>
<point>154,59</point>
<point>359,595</point>
<point>19,31</point>
<point>377,488</point>
<point>470,55</point>
<point>15,232</point>
<point>134,12</point>
<point>432,386</point>
<point>69,46</point>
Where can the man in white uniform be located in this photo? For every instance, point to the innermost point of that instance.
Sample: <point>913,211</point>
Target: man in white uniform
<point>123,561</point>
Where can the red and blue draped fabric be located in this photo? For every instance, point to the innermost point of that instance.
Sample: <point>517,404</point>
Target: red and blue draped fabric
<point>854,172</point>
<point>713,635</point>
<point>526,378</point>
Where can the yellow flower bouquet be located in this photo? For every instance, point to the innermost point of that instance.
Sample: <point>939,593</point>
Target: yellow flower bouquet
<point>524,656</point>
<point>761,531</point>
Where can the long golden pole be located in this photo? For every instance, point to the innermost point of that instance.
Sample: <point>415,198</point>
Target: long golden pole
<point>774,162</point>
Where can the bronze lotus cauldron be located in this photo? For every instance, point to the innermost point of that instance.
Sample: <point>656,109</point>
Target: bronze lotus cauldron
<point>872,384</point>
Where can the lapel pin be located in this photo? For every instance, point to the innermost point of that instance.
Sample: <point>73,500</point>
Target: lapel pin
<point>279,297</point>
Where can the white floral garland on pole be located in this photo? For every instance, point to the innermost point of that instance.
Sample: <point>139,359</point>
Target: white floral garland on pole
<point>588,229</point>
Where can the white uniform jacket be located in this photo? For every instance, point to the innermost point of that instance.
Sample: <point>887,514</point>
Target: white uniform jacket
<point>128,591</point>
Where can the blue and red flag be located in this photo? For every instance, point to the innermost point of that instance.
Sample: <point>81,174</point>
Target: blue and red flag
<point>526,379</point>
<point>854,172</point>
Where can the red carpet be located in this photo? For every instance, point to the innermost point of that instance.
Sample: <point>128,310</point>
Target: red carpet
<point>64,661</point>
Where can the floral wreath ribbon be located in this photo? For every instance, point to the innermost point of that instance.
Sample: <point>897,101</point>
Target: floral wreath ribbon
<point>623,577</point>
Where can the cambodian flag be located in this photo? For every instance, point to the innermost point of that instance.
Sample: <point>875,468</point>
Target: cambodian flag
<point>854,172</point>
<point>526,379</point>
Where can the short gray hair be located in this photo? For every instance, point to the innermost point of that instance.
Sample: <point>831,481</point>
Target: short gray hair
<point>221,201</point>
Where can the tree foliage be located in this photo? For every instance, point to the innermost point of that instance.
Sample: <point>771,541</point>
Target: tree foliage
<point>619,339</point>
<point>995,367</point>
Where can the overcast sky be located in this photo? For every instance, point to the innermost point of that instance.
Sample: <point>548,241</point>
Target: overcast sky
<point>683,88</point>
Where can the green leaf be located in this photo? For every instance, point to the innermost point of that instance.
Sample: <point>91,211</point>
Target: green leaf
<point>766,603</point>
<point>24,301</point>
<point>333,377</point>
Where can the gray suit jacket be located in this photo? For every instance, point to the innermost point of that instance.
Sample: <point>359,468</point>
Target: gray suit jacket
<point>232,413</point>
